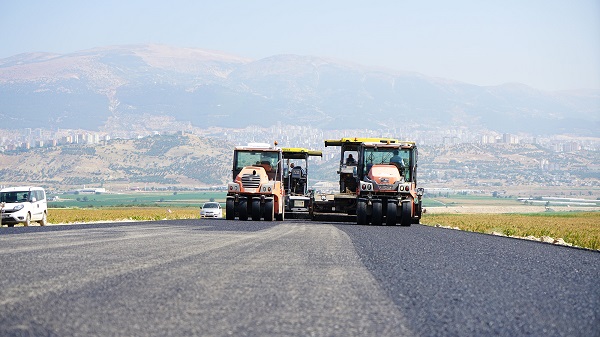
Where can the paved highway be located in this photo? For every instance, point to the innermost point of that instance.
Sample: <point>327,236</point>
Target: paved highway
<point>217,278</point>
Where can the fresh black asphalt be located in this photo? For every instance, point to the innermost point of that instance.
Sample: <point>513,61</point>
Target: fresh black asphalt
<point>454,283</point>
<point>217,277</point>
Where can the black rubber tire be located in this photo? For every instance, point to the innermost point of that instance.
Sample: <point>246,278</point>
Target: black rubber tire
<point>418,212</point>
<point>243,209</point>
<point>280,216</point>
<point>230,209</point>
<point>377,217</point>
<point>361,213</point>
<point>256,209</point>
<point>269,210</point>
<point>27,220</point>
<point>406,218</point>
<point>391,214</point>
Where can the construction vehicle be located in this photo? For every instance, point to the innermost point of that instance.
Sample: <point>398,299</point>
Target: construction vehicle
<point>378,183</point>
<point>295,182</point>
<point>257,188</point>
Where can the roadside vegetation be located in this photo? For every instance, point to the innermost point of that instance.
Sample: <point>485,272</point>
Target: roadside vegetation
<point>136,199</point>
<point>79,215</point>
<point>581,229</point>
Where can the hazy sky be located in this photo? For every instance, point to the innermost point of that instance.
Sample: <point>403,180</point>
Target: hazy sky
<point>547,44</point>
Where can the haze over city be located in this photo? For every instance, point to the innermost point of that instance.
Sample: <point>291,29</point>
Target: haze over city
<point>549,45</point>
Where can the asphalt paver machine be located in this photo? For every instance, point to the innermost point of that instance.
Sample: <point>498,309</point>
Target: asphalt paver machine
<point>297,193</point>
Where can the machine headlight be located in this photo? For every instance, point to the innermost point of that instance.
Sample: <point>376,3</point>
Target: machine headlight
<point>18,207</point>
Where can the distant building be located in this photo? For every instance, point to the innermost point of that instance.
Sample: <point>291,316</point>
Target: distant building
<point>510,139</point>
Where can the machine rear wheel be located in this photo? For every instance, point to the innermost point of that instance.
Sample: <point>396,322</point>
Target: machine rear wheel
<point>392,211</point>
<point>256,209</point>
<point>406,218</point>
<point>377,217</point>
<point>243,209</point>
<point>269,210</point>
<point>361,212</point>
<point>229,209</point>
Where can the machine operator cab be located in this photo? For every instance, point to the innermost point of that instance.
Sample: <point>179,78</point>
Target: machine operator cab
<point>297,194</point>
<point>296,172</point>
<point>258,155</point>
<point>359,155</point>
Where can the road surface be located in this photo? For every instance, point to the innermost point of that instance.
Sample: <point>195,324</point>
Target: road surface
<point>293,278</point>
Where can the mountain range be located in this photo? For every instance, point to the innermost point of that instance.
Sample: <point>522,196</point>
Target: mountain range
<point>86,89</point>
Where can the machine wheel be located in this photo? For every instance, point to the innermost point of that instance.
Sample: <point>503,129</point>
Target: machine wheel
<point>27,220</point>
<point>280,216</point>
<point>256,209</point>
<point>406,218</point>
<point>361,212</point>
<point>230,209</point>
<point>418,212</point>
<point>377,217</point>
<point>269,210</point>
<point>44,219</point>
<point>243,209</point>
<point>392,212</point>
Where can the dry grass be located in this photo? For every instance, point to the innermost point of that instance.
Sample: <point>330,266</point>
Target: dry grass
<point>578,228</point>
<point>82,215</point>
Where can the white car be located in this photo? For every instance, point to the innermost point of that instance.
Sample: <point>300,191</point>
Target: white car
<point>23,205</point>
<point>211,210</point>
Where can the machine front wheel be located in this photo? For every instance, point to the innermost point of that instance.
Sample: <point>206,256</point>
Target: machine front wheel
<point>377,217</point>
<point>361,212</point>
<point>269,210</point>
<point>229,209</point>
<point>256,209</point>
<point>406,218</point>
<point>243,209</point>
<point>280,216</point>
<point>392,212</point>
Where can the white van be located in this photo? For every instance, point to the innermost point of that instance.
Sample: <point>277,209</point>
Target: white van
<point>23,205</point>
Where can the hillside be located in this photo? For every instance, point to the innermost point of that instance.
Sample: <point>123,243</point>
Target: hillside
<point>158,161</point>
<point>510,167</point>
<point>93,88</point>
<point>190,161</point>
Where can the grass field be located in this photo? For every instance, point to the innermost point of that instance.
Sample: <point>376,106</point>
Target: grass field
<point>82,215</point>
<point>581,229</point>
<point>157,199</point>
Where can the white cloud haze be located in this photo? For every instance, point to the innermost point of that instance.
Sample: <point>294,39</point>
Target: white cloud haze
<point>547,44</point>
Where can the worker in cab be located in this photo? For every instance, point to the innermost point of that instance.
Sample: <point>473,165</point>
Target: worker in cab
<point>350,160</point>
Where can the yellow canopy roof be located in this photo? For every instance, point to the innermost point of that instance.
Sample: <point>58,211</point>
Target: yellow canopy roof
<point>299,153</point>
